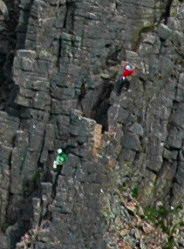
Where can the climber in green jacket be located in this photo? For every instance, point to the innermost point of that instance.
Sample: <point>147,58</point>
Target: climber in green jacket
<point>60,158</point>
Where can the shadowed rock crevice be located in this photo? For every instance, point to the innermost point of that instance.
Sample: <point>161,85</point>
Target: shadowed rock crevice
<point>82,94</point>
<point>115,55</point>
<point>100,109</point>
<point>59,54</point>
<point>16,232</point>
<point>69,16</point>
<point>55,182</point>
<point>21,223</point>
<point>167,11</point>
<point>7,52</point>
<point>174,181</point>
<point>23,24</point>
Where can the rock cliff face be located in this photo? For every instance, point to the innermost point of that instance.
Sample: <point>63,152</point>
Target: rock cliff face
<point>59,61</point>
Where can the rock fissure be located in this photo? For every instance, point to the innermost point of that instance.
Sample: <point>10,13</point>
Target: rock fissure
<point>21,31</point>
<point>8,36</point>
<point>167,12</point>
<point>68,23</point>
<point>100,109</point>
<point>59,55</point>
<point>55,183</point>
<point>174,180</point>
<point>82,94</point>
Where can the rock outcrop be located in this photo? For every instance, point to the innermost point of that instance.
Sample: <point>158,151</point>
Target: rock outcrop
<point>59,62</point>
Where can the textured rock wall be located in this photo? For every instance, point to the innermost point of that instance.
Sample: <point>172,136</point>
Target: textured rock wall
<point>151,113</point>
<point>62,61</point>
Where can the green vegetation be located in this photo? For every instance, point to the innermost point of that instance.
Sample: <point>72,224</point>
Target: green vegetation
<point>155,214</point>
<point>135,192</point>
<point>170,243</point>
<point>159,217</point>
<point>106,209</point>
<point>147,28</point>
<point>4,226</point>
<point>36,175</point>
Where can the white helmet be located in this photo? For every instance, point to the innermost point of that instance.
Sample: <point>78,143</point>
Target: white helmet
<point>128,67</point>
<point>59,151</point>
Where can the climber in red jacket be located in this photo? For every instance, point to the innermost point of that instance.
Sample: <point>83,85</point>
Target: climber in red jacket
<point>127,70</point>
<point>122,81</point>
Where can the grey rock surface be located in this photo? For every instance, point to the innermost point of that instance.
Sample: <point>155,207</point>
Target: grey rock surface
<point>59,61</point>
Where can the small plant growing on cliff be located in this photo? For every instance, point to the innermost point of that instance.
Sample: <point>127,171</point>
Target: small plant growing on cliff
<point>36,175</point>
<point>4,226</point>
<point>156,214</point>
<point>159,217</point>
<point>135,192</point>
<point>170,243</point>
